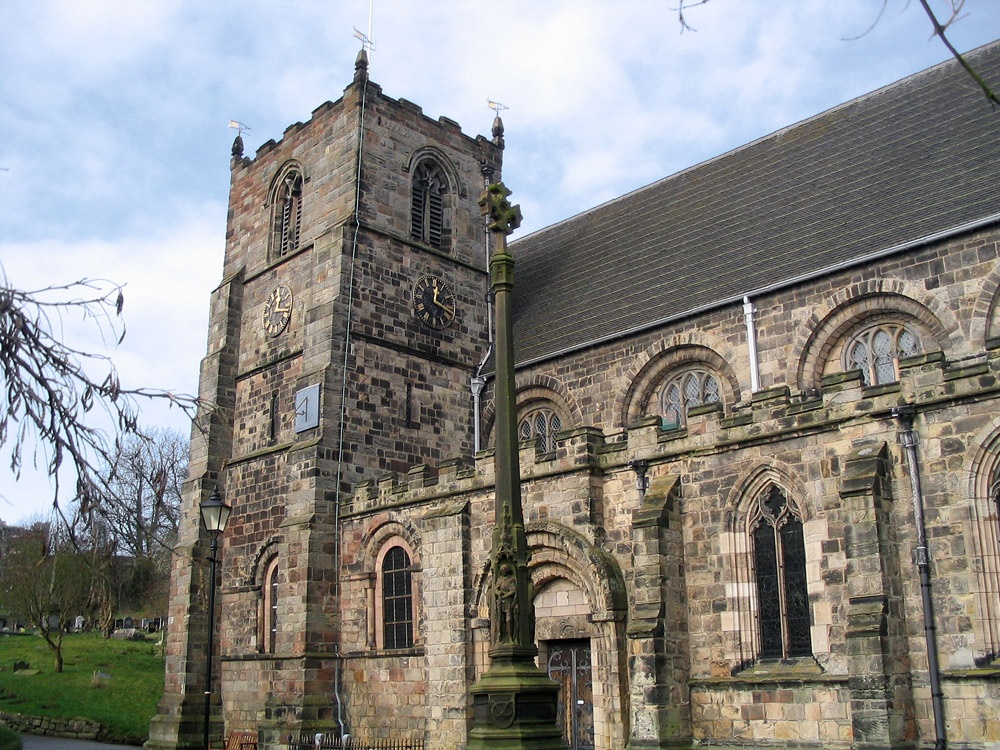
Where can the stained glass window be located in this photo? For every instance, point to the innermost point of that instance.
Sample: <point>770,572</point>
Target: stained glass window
<point>779,559</point>
<point>685,390</point>
<point>542,423</point>
<point>876,352</point>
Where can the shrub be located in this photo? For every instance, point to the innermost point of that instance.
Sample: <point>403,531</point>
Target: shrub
<point>9,740</point>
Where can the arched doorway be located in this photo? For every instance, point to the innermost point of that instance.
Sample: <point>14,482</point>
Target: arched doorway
<point>565,652</point>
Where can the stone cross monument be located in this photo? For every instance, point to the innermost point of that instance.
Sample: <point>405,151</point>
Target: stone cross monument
<point>514,704</point>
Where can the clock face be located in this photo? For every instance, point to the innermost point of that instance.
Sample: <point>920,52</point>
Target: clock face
<point>277,310</point>
<point>433,302</point>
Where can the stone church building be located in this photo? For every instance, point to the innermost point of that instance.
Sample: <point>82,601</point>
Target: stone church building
<point>759,404</point>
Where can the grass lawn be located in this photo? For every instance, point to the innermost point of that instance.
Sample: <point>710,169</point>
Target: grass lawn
<point>123,703</point>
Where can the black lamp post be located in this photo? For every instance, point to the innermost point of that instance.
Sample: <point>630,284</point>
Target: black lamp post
<point>214,514</point>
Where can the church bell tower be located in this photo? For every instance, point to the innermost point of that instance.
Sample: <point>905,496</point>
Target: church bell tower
<point>348,324</point>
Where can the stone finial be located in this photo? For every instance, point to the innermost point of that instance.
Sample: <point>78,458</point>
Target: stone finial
<point>498,131</point>
<point>238,146</point>
<point>361,67</point>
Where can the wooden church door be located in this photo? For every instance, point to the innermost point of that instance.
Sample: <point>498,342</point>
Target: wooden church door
<point>569,664</point>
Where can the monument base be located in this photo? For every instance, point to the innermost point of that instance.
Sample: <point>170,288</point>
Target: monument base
<point>514,708</point>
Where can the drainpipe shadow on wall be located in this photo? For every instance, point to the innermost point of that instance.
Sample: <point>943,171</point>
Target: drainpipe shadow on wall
<point>905,416</point>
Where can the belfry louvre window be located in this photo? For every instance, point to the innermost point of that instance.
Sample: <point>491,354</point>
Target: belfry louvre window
<point>397,600</point>
<point>287,217</point>
<point>542,423</point>
<point>684,391</point>
<point>876,351</point>
<point>427,205</point>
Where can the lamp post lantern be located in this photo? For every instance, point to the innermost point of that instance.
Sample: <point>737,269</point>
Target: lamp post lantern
<point>215,515</point>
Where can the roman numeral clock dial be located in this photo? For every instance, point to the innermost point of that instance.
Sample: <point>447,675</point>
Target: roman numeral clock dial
<point>433,302</point>
<point>277,310</point>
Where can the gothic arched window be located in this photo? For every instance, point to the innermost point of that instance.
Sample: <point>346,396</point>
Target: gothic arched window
<point>286,220</point>
<point>684,390</point>
<point>876,350</point>
<point>778,560</point>
<point>542,423</point>
<point>268,619</point>
<point>427,204</point>
<point>987,519</point>
<point>397,599</point>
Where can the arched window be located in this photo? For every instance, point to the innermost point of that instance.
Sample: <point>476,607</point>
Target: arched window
<point>427,204</point>
<point>397,600</point>
<point>685,390</point>
<point>778,566</point>
<point>987,520</point>
<point>876,350</point>
<point>286,220</point>
<point>268,620</point>
<point>542,423</point>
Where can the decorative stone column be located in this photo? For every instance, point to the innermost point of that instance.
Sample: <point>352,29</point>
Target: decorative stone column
<point>514,704</point>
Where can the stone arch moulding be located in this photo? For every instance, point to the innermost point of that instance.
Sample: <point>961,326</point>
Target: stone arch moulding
<point>292,165</point>
<point>660,361</point>
<point>754,483</point>
<point>982,530</point>
<point>557,551</point>
<point>384,528</point>
<point>823,331</point>
<point>440,158</point>
<point>984,324</point>
<point>267,552</point>
<point>533,389</point>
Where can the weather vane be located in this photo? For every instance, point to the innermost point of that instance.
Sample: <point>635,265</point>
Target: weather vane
<point>367,40</point>
<point>497,107</point>
<point>240,127</point>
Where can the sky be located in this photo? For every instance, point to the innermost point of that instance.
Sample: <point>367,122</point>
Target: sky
<point>115,145</point>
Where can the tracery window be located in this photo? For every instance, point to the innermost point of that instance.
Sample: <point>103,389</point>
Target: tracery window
<point>286,220</point>
<point>397,599</point>
<point>875,351</point>
<point>542,423</point>
<point>268,619</point>
<point>987,520</point>
<point>778,560</point>
<point>684,391</point>
<point>427,204</point>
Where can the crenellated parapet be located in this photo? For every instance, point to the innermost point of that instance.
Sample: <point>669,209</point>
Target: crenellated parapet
<point>770,415</point>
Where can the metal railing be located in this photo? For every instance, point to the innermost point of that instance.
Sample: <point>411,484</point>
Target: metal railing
<point>325,742</point>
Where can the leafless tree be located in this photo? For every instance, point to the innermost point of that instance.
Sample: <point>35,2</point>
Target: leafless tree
<point>59,403</point>
<point>953,12</point>
<point>141,492</point>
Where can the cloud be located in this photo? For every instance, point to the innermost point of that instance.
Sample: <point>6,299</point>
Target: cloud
<point>114,114</point>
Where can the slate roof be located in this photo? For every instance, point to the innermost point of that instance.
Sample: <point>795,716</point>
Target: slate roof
<point>916,158</point>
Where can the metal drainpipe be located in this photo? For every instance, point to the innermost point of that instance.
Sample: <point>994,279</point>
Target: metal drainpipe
<point>476,385</point>
<point>905,416</point>
<point>748,315</point>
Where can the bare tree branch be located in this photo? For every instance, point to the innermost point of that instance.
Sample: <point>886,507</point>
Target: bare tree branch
<point>54,406</point>
<point>682,6</point>
<point>939,31</point>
